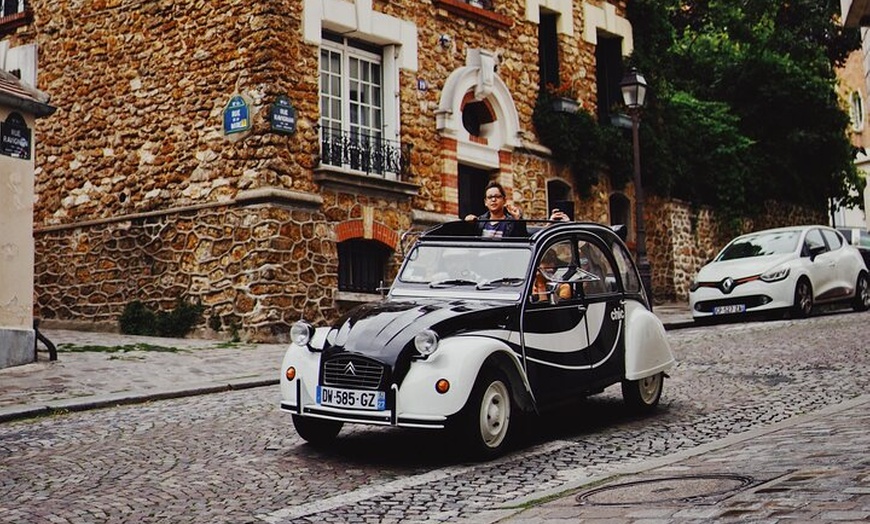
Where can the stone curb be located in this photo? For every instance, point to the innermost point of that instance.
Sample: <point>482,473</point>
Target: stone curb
<point>19,412</point>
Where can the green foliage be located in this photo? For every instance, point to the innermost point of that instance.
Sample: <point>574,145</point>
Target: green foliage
<point>137,319</point>
<point>744,107</point>
<point>578,141</point>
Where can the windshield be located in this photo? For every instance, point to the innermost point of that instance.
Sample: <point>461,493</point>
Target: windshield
<point>478,267</point>
<point>762,244</point>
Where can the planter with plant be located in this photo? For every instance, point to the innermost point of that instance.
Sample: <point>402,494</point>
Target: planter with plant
<point>578,141</point>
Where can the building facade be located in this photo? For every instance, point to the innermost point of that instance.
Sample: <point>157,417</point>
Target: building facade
<point>265,158</point>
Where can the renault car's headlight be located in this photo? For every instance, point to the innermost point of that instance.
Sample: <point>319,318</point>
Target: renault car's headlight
<point>301,332</point>
<point>775,274</point>
<point>426,342</point>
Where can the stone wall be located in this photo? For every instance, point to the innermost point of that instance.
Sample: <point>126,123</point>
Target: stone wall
<point>256,267</point>
<point>681,239</point>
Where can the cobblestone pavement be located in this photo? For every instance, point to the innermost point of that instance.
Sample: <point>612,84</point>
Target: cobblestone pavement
<point>232,457</point>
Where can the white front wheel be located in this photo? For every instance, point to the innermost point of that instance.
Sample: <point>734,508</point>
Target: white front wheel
<point>485,422</point>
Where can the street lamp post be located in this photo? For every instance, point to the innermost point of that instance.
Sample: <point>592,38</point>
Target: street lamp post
<point>634,89</point>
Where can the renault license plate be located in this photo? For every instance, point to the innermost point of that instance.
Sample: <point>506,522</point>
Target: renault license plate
<point>351,398</point>
<point>729,309</point>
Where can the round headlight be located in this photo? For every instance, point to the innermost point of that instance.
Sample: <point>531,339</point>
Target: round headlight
<point>300,333</point>
<point>426,342</point>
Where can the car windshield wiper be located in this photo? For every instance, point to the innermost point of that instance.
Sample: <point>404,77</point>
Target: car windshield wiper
<point>506,281</point>
<point>447,282</point>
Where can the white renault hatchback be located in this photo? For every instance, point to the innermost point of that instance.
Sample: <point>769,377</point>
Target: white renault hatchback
<point>790,269</point>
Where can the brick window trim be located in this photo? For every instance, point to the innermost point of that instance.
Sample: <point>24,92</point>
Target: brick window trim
<point>356,229</point>
<point>484,16</point>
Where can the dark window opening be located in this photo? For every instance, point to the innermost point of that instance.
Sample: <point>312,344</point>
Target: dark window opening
<point>548,49</point>
<point>474,115</point>
<point>608,74</point>
<point>11,7</point>
<point>620,210</point>
<point>557,191</point>
<point>361,265</point>
<point>472,189</point>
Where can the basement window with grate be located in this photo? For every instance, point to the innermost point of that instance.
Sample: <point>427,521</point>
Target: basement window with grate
<point>361,265</point>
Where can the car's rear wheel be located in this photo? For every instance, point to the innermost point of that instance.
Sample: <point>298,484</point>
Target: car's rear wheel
<point>642,396</point>
<point>862,293</point>
<point>485,423</point>
<point>316,431</point>
<point>803,299</point>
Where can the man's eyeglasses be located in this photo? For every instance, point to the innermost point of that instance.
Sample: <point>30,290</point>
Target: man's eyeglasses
<point>494,197</point>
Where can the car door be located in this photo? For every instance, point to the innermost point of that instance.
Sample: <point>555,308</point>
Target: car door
<point>822,266</point>
<point>845,268</point>
<point>605,310</point>
<point>553,329</point>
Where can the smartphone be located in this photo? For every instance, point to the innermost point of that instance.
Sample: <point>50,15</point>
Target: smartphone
<point>565,206</point>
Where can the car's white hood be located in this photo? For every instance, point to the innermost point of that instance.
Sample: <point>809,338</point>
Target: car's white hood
<point>741,267</point>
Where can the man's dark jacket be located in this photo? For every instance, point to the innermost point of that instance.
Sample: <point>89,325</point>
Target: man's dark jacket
<point>513,228</point>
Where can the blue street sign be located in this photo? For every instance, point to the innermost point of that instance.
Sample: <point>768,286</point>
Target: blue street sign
<point>237,116</point>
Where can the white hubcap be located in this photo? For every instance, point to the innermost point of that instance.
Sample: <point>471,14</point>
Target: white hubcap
<point>495,413</point>
<point>649,388</point>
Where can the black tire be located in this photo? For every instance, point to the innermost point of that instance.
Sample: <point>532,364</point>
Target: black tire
<point>485,421</point>
<point>316,431</point>
<point>642,396</point>
<point>862,293</point>
<point>803,299</point>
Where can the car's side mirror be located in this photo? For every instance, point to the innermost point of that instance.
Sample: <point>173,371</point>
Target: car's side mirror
<point>816,251</point>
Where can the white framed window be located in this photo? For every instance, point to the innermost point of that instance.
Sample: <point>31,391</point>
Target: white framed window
<point>353,108</point>
<point>856,111</point>
<point>11,7</point>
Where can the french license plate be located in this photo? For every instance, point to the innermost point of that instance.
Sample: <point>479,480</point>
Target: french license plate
<point>351,398</point>
<point>732,308</point>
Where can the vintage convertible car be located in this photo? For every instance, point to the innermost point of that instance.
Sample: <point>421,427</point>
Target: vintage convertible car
<point>474,329</point>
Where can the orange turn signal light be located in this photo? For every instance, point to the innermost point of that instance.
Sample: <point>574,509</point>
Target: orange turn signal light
<point>442,386</point>
<point>290,373</point>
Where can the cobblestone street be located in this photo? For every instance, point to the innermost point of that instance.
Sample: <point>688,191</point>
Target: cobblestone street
<point>233,457</point>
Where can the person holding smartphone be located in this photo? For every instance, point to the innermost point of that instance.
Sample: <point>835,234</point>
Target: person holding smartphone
<point>500,219</point>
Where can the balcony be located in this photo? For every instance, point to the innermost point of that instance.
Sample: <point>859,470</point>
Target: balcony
<point>364,161</point>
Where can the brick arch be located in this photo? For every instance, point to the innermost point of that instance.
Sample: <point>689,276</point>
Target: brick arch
<point>351,229</point>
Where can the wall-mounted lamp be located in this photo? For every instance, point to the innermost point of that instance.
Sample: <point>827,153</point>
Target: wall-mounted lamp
<point>444,41</point>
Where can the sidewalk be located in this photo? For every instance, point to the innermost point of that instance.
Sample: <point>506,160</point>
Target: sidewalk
<point>96,370</point>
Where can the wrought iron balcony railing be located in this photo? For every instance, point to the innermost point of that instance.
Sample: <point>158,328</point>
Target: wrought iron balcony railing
<point>375,156</point>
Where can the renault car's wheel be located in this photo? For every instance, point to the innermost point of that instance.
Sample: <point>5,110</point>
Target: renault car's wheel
<point>486,421</point>
<point>316,431</point>
<point>862,293</point>
<point>803,299</point>
<point>642,396</point>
